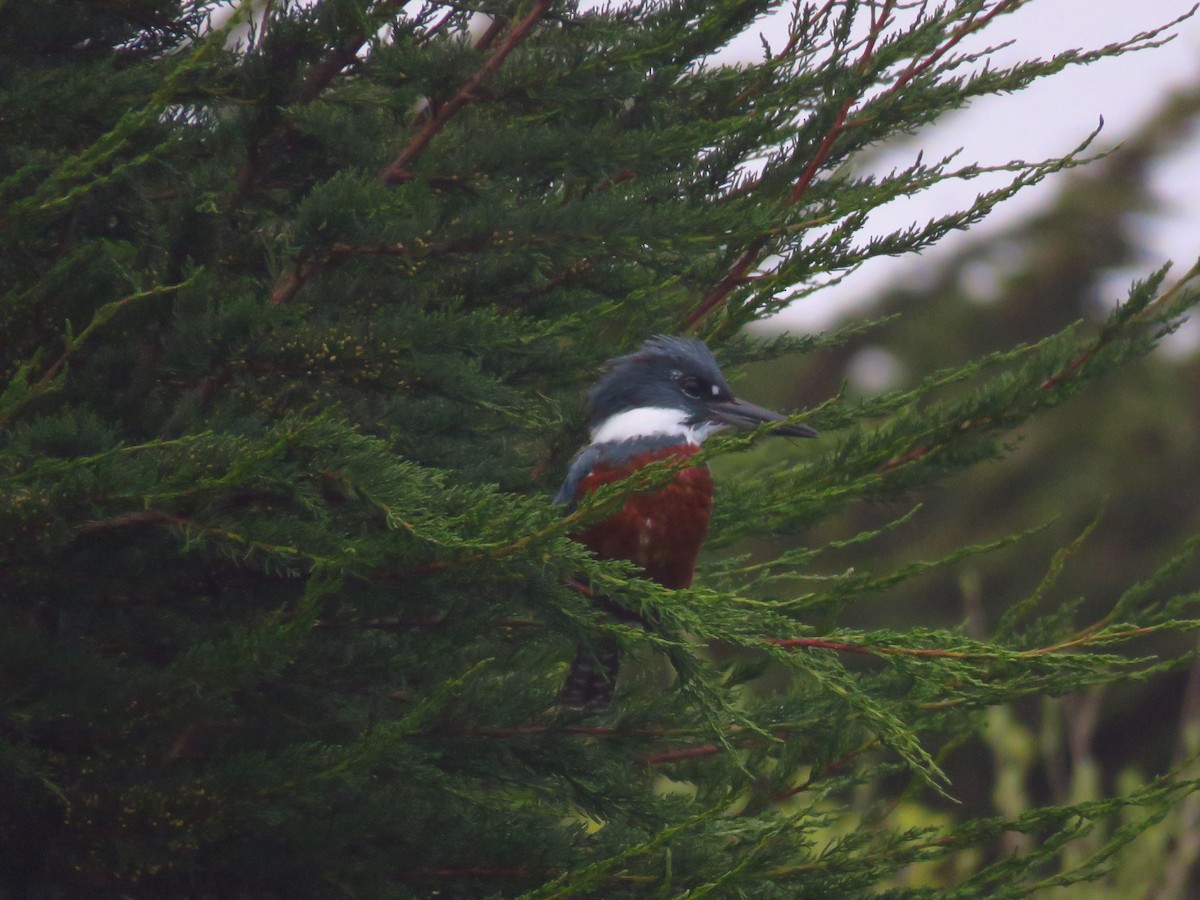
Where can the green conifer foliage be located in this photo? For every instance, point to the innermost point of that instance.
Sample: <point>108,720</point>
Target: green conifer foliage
<point>299,307</point>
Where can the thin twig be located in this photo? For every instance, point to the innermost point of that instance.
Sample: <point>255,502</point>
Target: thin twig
<point>657,759</point>
<point>318,78</point>
<point>133,519</point>
<point>1082,640</point>
<point>737,274</point>
<point>1070,370</point>
<point>434,29</point>
<point>397,171</point>
<point>289,284</point>
<point>822,771</point>
<point>268,8</point>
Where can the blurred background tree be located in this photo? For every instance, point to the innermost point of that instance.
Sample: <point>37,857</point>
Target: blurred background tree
<point>1118,463</point>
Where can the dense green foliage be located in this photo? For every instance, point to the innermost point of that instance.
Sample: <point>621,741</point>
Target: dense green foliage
<point>296,325</point>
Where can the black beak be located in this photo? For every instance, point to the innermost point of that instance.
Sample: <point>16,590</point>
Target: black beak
<point>742,413</point>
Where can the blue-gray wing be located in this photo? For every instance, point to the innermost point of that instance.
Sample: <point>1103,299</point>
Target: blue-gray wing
<point>581,465</point>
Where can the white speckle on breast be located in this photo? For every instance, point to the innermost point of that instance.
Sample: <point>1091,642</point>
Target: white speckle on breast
<point>645,533</point>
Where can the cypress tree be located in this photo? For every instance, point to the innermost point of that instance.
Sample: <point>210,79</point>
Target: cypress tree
<point>299,308</point>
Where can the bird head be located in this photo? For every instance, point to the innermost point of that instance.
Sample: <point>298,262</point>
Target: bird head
<point>672,385</point>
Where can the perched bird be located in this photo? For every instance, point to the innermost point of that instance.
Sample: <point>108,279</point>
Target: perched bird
<point>658,403</point>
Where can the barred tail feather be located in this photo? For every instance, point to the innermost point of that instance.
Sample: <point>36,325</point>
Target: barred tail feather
<point>593,676</point>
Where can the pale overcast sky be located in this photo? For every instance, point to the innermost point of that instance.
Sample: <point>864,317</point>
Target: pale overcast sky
<point>1046,120</point>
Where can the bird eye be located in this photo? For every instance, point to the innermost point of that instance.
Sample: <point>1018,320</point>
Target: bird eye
<point>693,387</point>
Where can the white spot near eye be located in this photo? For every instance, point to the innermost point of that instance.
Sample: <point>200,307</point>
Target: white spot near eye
<point>716,390</point>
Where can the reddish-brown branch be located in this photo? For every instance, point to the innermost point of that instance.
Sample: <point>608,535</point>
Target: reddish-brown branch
<point>656,759</point>
<point>1066,373</point>
<point>723,288</point>
<point>864,649</point>
<point>842,123</point>
<point>1069,370</point>
<point>291,282</point>
<point>820,16</point>
<point>318,78</point>
<point>494,30</point>
<point>813,21</point>
<point>437,27</point>
<point>823,771</point>
<point>397,171</point>
<point>1086,637</point>
<point>140,517</point>
<point>972,24</point>
<point>325,71</point>
<point>737,274</point>
<point>268,8</point>
<point>911,456</point>
<point>1090,636</point>
<point>825,148</point>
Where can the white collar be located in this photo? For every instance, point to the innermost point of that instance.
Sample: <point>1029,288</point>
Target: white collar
<point>651,421</point>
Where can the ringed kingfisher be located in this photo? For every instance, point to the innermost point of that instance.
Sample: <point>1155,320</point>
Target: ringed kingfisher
<point>657,403</point>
